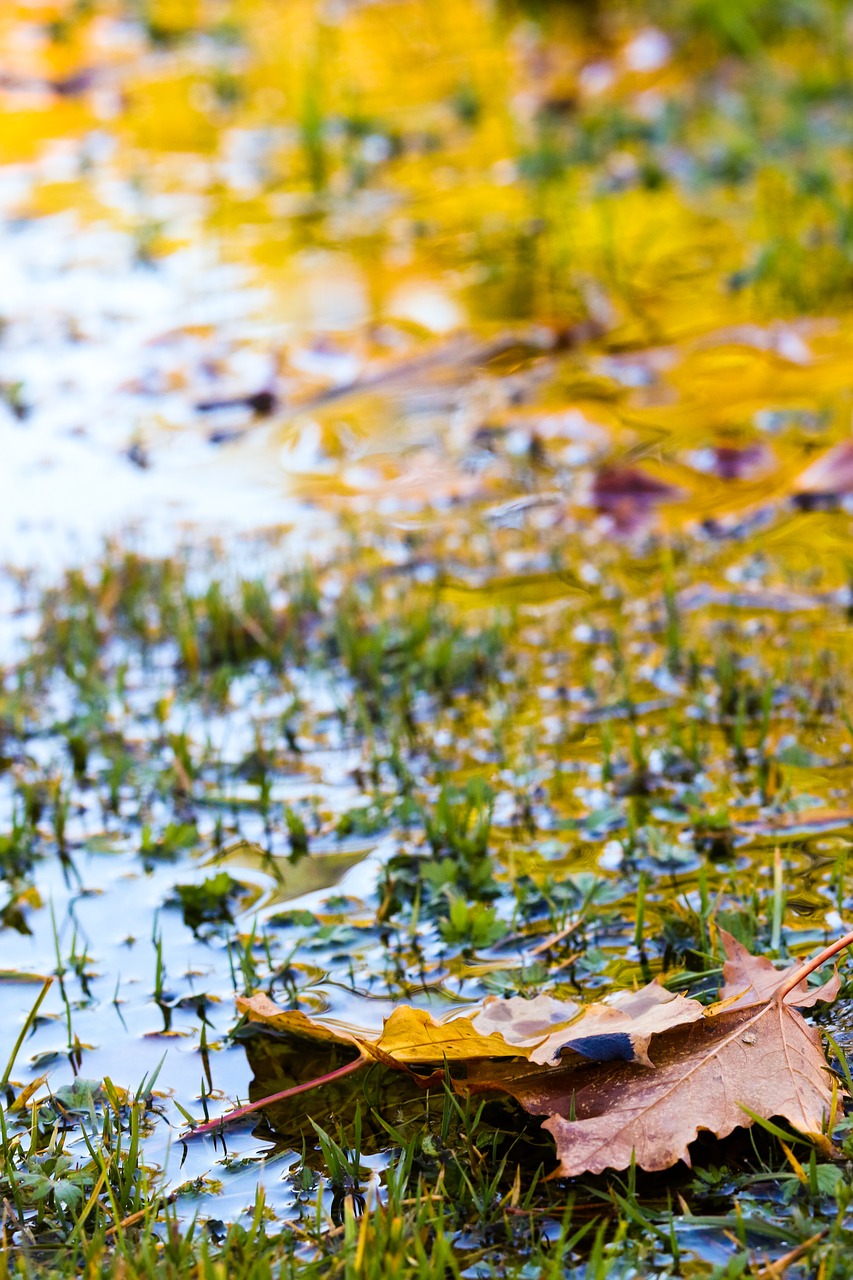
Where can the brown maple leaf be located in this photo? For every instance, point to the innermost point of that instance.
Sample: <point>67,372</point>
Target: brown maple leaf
<point>751,1055</point>
<point>750,980</point>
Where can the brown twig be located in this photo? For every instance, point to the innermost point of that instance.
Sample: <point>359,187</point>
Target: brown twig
<point>215,1126</point>
<point>554,938</point>
<point>9,1213</point>
<point>775,1270</point>
<point>567,962</point>
<point>133,1218</point>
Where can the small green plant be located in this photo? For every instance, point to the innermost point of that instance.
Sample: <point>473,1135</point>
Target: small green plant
<point>208,902</point>
<point>297,834</point>
<point>460,821</point>
<point>472,923</point>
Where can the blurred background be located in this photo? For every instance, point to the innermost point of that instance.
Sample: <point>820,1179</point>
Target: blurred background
<point>262,261</point>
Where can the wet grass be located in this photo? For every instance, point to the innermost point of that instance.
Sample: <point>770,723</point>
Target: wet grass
<point>594,845</point>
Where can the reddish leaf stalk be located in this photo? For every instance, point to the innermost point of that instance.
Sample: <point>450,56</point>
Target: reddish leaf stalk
<point>215,1126</point>
<point>810,965</point>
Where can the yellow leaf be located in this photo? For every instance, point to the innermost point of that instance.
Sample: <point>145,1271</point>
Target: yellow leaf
<point>259,1008</point>
<point>411,1035</point>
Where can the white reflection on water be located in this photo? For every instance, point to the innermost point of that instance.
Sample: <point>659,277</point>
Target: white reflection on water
<point>103,359</point>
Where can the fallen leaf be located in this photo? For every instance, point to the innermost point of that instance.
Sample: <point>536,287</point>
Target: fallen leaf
<point>622,1028</point>
<point>632,1080</point>
<point>705,1076</point>
<point>750,980</point>
<point>629,495</point>
<point>541,1029</point>
<point>411,1035</point>
<point>259,1008</point>
<point>763,1060</point>
<point>756,1056</point>
<point>521,1021</point>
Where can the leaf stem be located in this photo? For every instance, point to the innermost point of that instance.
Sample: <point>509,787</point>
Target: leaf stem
<point>810,965</point>
<point>215,1126</point>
